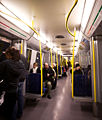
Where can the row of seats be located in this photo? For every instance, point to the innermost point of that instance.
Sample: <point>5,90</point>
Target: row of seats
<point>82,86</point>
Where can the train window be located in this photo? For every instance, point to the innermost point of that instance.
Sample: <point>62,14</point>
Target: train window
<point>38,58</point>
<point>3,46</point>
<point>28,54</point>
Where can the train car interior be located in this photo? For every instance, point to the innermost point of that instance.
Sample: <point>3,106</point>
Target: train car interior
<point>59,38</point>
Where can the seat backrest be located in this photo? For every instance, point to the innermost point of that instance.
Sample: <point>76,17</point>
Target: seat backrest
<point>33,83</point>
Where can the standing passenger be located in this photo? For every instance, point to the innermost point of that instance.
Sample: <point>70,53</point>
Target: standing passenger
<point>20,98</point>
<point>11,70</point>
<point>55,75</point>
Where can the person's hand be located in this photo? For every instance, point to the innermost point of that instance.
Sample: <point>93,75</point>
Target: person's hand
<point>48,75</point>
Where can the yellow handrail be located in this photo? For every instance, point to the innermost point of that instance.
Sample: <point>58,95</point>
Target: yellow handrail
<point>57,63</point>
<point>51,58</point>
<point>73,65</point>
<point>21,21</point>
<point>66,61</point>
<point>94,71</point>
<point>39,46</point>
<point>41,68</point>
<point>68,18</point>
<point>61,64</point>
<point>21,47</point>
<point>73,44</point>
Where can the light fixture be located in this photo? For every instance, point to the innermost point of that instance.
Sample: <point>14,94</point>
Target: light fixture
<point>77,35</point>
<point>87,11</point>
<point>9,16</point>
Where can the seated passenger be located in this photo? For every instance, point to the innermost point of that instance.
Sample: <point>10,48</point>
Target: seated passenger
<point>35,68</point>
<point>47,78</point>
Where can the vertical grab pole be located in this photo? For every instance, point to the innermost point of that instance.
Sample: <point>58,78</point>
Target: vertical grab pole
<point>94,70</point>
<point>41,68</point>
<point>51,58</point>
<point>62,60</point>
<point>57,63</point>
<point>21,47</point>
<point>61,64</point>
<point>66,61</point>
<point>73,65</point>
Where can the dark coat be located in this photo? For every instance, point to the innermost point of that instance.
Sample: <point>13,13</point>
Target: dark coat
<point>11,72</point>
<point>37,71</point>
<point>48,71</point>
<point>24,60</point>
<point>78,72</point>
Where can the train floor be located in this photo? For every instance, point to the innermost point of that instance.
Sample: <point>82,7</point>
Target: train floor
<point>60,107</point>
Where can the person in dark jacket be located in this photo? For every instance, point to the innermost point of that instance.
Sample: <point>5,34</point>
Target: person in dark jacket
<point>47,78</point>
<point>55,75</point>
<point>78,69</point>
<point>24,60</point>
<point>11,71</point>
<point>20,97</point>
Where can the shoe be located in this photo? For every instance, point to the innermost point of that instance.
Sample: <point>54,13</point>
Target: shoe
<point>44,96</point>
<point>49,97</point>
<point>18,117</point>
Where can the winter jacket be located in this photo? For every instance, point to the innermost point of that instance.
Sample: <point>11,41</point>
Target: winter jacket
<point>11,72</point>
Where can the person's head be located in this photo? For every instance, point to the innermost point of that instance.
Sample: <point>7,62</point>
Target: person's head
<point>12,53</point>
<point>46,65</point>
<point>54,65</point>
<point>89,67</point>
<point>77,66</point>
<point>35,65</point>
<point>66,65</point>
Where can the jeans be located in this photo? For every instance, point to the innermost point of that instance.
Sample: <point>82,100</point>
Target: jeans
<point>20,99</point>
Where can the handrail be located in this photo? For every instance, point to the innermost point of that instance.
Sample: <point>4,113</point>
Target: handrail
<point>73,44</point>
<point>94,70</point>
<point>68,18</point>
<point>57,63</point>
<point>39,45</point>
<point>21,47</point>
<point>51,58</point>
<point>21,21</point>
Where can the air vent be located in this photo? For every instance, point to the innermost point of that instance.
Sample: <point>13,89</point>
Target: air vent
<point>63,44</point>
<point>59,36</point>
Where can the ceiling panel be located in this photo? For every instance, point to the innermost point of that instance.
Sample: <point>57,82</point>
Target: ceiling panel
<point>49,16</point>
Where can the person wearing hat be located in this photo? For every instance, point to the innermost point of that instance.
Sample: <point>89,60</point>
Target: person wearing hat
<point>78,69</point>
